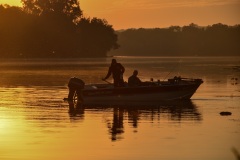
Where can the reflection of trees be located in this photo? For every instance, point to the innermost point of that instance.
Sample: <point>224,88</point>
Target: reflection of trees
<point>174,111</point>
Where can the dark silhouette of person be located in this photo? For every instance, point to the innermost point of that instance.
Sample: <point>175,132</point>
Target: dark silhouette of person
<point>117,126</point>
<point>75,85</point>
<point>116,70</point>
<point>133,80</point>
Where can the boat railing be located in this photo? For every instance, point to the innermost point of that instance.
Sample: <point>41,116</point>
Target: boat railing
<point>181,80</point>
<point>172,81</point>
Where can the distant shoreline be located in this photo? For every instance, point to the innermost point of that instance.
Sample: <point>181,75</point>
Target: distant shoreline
<point>118,56</point>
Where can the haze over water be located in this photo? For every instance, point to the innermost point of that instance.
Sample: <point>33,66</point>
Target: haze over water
<point>35,122</point>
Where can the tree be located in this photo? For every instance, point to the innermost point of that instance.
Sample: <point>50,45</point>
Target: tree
<point>97,36</point>
<point>70,8</point>
<point>67,31</point>
<point>215,40</point>
<point>53,28</point>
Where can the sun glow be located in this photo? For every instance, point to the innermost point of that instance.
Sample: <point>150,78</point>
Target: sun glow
<point>123,14</point>
<point>4,124</point>
<point>11,2</point>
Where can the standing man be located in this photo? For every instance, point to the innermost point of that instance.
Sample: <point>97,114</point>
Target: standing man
<point>116,70</point>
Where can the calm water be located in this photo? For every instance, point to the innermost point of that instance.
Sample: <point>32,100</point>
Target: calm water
<point>36,124</point>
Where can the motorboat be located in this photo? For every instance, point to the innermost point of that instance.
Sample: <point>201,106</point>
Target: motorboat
<point>176,88</point>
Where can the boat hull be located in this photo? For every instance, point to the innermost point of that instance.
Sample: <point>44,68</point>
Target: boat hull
<point>142,94</point>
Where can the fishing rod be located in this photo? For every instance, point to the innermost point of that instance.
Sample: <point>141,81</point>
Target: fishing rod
<point>106,81</point>
<point>174,68</point>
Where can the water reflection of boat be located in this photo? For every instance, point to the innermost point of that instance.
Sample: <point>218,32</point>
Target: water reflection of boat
<point>176,111</point>
<point>173,89</point>
<point>76,110</point>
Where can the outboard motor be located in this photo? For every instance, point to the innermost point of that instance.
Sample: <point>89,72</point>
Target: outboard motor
<point>75,86</point>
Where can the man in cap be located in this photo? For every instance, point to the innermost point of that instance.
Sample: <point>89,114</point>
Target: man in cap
<point>116,70</point>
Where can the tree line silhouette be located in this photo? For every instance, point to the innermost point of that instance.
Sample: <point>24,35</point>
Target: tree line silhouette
<point>58,29</point>
<point>192,40</point>
<point>53,29</point>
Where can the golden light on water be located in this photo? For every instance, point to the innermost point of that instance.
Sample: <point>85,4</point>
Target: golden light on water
<point>35,122</point>
<point>10,98</point>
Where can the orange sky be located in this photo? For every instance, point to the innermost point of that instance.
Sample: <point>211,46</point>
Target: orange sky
<point>123,14</point>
